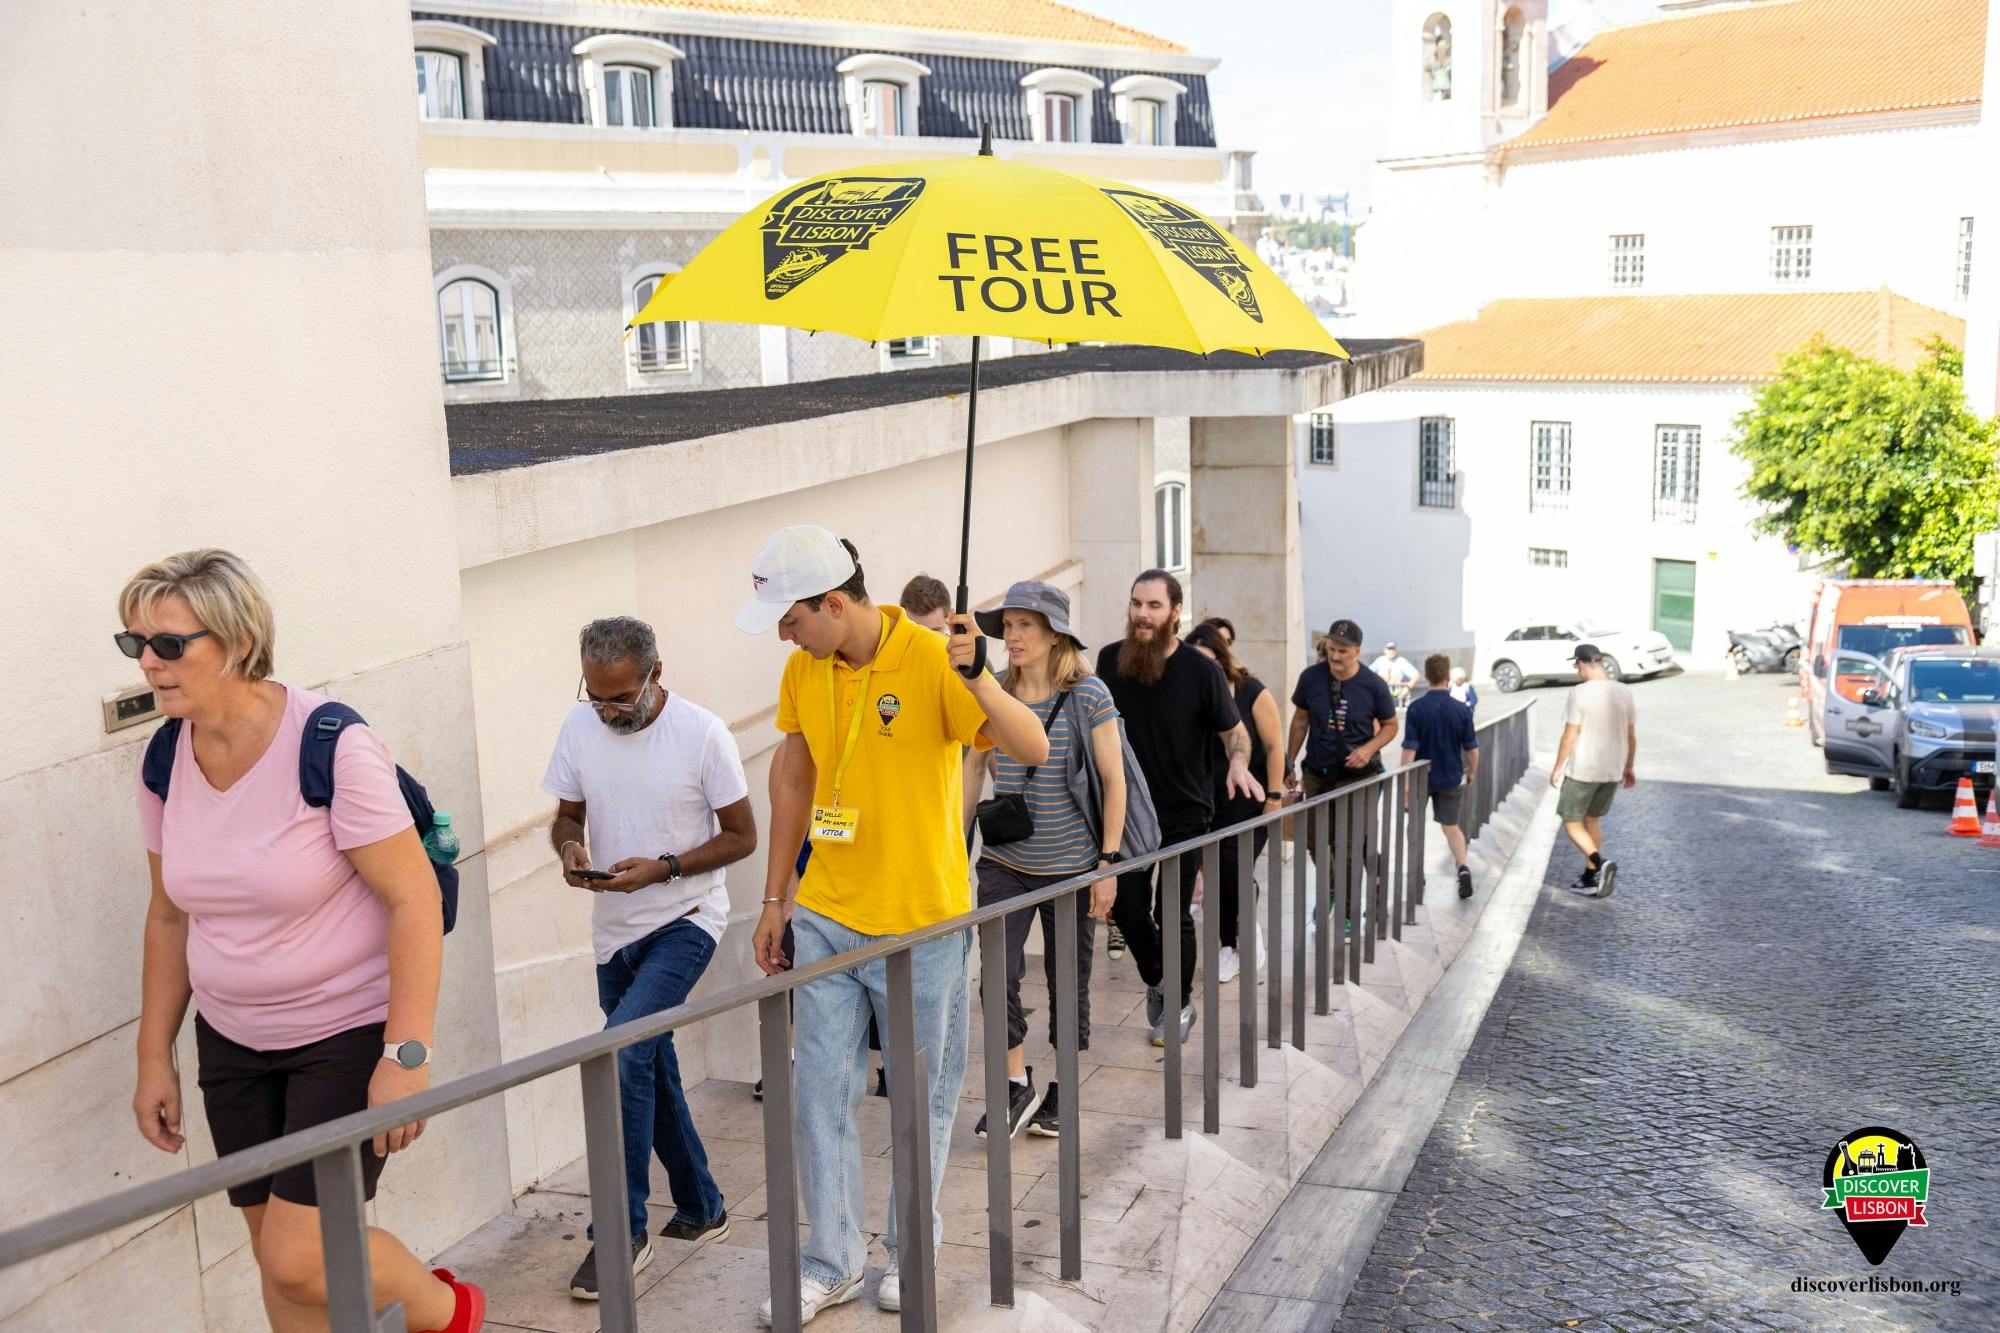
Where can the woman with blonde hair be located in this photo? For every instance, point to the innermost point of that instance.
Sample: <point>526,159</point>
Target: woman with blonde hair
<point>1047,672</point>
<point>309,939</point>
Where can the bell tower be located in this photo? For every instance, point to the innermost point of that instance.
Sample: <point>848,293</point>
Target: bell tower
<point>1467,74</point>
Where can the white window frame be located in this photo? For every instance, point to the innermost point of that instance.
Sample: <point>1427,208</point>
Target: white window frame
<point>457,63</point>
<point>1063,83</point>
<point>507,383</point>
<point>1676,490</point>
<point>857,72</point>
<point>680,376</point>
<point>1447,434</point>
<point>920,348</point>
<point>469,45</point>
<point>1135,88</point>
<point>593,54</point>
<point>1172,547</point>
<point>1626,262</point>
<point>1553,439</point>
<point>1514,27</point>
<point>1791,254</point>
<point>1962,280</point>
<point>1433,89</point>
<point>1321,429</point>
<point>1548,557</point>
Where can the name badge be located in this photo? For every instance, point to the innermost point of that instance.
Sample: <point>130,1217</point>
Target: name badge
<point>832,823</point>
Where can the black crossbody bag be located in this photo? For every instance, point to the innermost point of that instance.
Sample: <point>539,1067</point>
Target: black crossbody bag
<point>1005,818</point>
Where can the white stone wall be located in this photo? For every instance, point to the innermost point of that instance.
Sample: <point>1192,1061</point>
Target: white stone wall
<point>217,331</point>
<point>1451,581</point>
<point>687,577</point>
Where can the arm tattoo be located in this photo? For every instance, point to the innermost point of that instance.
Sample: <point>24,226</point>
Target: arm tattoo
<point>1237,746</point>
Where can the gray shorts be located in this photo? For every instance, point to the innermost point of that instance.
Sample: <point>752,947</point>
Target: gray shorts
<point>1584,800</point>
<point>1445,805</point>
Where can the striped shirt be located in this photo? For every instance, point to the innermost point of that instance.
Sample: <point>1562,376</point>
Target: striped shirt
<point>1061,844</point>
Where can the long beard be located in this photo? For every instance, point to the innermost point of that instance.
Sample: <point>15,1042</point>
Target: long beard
<point>1143,660</point>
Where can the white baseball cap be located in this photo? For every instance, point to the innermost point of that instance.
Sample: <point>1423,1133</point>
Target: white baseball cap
<point>796,563</point>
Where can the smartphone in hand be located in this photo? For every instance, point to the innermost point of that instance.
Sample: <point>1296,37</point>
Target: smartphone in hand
<point>592,874</point>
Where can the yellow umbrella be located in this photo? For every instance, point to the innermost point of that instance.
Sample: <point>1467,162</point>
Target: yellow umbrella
<point>986,246</point>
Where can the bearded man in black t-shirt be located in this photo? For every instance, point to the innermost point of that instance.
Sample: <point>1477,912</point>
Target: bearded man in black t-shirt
<point>1175,702</point>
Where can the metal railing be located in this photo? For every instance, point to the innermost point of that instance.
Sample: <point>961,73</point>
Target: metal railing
<point>1362,844</point>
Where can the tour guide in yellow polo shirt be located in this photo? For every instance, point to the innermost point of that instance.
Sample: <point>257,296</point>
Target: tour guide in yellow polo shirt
<point>874,716</point>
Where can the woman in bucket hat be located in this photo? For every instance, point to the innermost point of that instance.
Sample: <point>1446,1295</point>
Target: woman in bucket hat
<point>1046,670</point>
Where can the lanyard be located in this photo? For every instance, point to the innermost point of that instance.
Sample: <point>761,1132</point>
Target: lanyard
<point>860,700</point>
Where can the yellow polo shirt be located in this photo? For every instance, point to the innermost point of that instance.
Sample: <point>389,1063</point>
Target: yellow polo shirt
<point>906,867</point>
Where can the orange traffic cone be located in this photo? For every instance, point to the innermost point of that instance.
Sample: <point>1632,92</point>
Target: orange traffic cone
<point>1989,836</point>
<point>1795,713</point>
<point>1965,811</point>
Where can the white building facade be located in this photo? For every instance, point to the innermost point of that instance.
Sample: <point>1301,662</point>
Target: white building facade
<point>1809,156</point>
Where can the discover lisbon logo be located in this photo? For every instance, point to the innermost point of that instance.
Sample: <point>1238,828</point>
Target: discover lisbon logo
<point>1878,1180</point>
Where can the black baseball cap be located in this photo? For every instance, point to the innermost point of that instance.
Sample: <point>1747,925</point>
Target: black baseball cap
<point>1586,652</point>
<point>1345,631</point>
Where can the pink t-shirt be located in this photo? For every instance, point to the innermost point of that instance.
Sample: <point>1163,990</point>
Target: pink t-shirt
<point>287,944</point>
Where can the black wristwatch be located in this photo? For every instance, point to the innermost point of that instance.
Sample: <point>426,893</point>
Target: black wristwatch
<point>673,866</point>
<point>1112,857</point>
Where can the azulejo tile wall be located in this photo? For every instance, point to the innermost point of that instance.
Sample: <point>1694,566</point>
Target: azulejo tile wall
<point>569,308</point>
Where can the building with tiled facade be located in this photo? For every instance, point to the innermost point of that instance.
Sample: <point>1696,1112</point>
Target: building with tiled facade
<point>1604,261</point>
<point>577,153</point>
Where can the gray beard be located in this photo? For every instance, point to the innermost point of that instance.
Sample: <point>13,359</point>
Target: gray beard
<point>635,721</point>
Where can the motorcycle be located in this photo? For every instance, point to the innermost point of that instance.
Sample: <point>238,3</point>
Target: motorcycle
<point>1773,648</point>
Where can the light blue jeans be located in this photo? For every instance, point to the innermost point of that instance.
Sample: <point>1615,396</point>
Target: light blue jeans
<point>831,1074</point>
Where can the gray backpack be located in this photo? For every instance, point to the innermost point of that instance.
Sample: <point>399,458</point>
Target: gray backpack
<point>1086,787</point>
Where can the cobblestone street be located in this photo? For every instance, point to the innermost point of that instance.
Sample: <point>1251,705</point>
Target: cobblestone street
<point>1636,1137</point>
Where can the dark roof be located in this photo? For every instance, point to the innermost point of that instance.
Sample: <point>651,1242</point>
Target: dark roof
<point>489,437</point>
<point>735,83</point>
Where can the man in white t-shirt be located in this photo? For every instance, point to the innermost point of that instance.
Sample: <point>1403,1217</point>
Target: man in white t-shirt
<point>1599,742</point>
<point>1398,672</point>
<point>650,787</point>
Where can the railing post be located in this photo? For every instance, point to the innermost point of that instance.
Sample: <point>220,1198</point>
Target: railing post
<point>1274,896</point>
<point>1409,870</point>
<point>1374,819</point>
<point>1211,989</point>
<point>1171,963</point>
<point>604,1147</point>
<point>910,1128</point>
<point>343,1239</point>
<point>1246,951</point>
<point>999,1144</point>
<point>1353,838</point>
<point>1302,872</point>
<point>781,1177</point>
<point>1417,852</point>
<point>1323,878</point>
<point>1068,1000</point>
<point>1393,827</point>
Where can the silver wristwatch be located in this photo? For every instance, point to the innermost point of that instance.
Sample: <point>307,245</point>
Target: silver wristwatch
<point>411,1054</point>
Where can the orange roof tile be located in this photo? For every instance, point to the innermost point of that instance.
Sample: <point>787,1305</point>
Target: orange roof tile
<point>1735,339</point>
<point>1783,60</point>
<point>1037,19</point>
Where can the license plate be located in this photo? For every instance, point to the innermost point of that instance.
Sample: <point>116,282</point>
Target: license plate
<point>1982,766</point>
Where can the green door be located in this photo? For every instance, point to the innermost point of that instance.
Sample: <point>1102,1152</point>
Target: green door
<point>1673,602</point>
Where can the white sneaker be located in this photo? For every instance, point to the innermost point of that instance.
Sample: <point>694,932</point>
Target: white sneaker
<point>1227,965</point>
<point>814,1296</point>
<point>1260,948</point>
<point>889,1296</point>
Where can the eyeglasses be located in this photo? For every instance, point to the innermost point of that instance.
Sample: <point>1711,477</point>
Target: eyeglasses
<point>166,647</point>
<point>584,696</point>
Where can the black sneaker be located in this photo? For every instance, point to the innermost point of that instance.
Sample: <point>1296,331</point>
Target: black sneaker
<point>1464,882</point>
<point>757,1090</point>
<point>1608,873</point>
<point>1022,1099</point>
<point>1046,1122</point>
<point>1585,884</point>
<point>1114,942</point>
<point>697,1235</point>
<point>882,1081</point>
<point>583,1286</point>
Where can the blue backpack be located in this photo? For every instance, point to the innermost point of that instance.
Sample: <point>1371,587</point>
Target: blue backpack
<point>315,782</point>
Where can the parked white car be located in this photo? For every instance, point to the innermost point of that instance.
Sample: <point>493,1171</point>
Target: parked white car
<point>1542,652</point>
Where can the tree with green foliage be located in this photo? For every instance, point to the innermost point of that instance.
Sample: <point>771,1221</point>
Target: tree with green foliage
<point>1884,470</point>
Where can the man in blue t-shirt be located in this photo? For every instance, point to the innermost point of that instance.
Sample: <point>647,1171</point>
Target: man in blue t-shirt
<point>1440,732</point>
<point>1344,717</point>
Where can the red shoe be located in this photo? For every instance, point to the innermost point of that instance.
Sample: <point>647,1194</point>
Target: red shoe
<point>471,1310</point>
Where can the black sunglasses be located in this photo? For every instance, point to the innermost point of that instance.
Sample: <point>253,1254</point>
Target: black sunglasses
<point>166,647</point>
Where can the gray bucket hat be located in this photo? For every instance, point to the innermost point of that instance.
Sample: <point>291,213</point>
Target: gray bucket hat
<point>1031,595</point>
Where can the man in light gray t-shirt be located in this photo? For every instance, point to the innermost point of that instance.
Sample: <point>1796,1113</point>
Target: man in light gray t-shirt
<point>1599,742</point>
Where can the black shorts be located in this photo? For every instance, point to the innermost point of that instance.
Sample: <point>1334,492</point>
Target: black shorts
<point>1445,804</point>
<point>255,1096</point>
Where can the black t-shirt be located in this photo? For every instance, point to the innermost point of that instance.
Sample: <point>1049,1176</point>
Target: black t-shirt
<point>1248,691</point>
<point>1172,727</point>
<point>1339,728</point>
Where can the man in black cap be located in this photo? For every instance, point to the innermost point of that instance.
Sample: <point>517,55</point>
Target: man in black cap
<point>1343,718</point>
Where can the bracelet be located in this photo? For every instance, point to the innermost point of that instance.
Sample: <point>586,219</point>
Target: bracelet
<point>769,901</point>
<point>566,846</point>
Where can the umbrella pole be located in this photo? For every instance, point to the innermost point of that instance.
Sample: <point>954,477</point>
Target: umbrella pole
<point>965,520</point>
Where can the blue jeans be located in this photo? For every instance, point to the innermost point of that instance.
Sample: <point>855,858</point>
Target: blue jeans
<point>643,978</point>
<point>831,1075</point>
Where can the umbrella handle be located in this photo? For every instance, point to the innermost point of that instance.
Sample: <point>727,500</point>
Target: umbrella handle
<point>978,665</point>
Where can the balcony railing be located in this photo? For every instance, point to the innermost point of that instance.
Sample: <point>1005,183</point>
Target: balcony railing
<point>1364,843</point>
